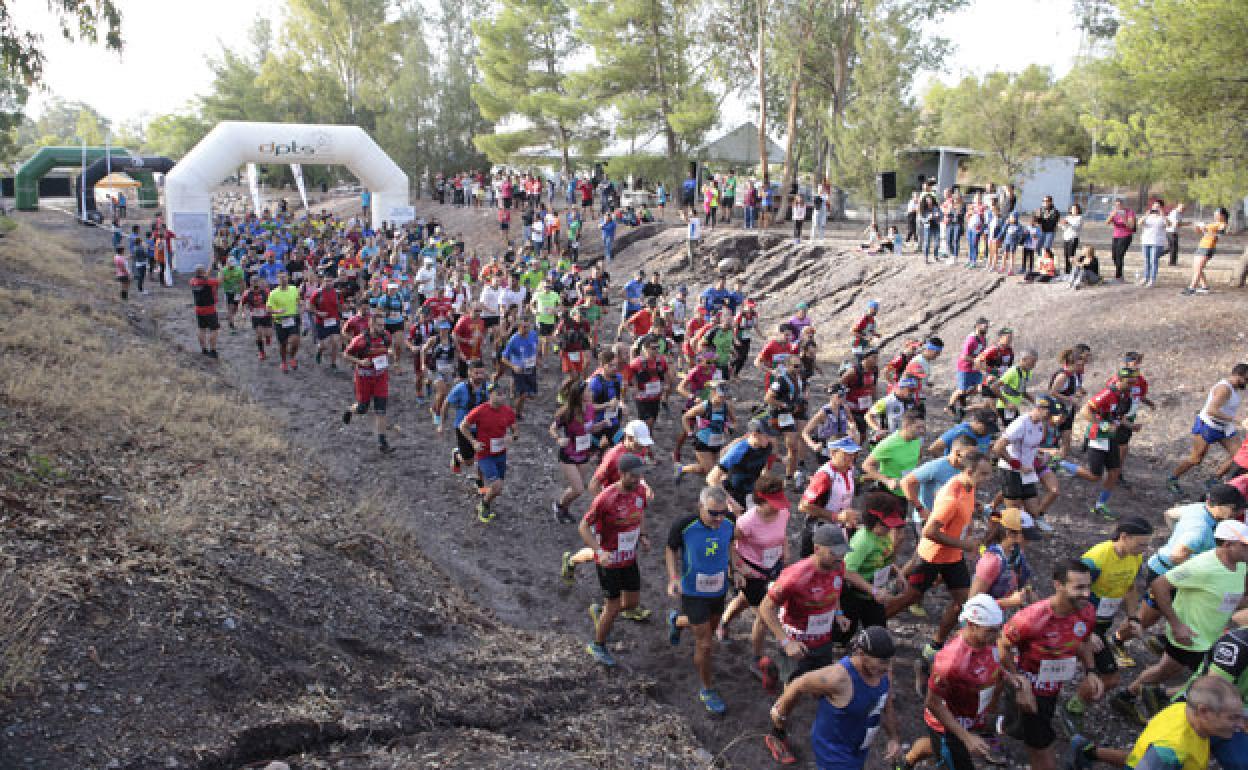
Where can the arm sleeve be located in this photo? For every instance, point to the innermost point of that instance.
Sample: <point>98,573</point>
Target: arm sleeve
<point>1096,570</point>
<point>1159,758</point>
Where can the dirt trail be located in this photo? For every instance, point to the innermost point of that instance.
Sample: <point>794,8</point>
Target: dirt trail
<point>510,566</point>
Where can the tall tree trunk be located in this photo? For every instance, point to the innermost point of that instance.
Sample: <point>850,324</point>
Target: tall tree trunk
<point>761,6</point>
<point>660,74</point>
<point>790,127</point>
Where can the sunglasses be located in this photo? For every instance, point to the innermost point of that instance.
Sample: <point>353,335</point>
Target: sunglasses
<point>717,513</point>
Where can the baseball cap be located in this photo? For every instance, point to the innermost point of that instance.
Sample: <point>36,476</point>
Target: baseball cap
<point>907,382</point>
<point>639,431</point>
<point>759,426</point>
<point>803,306</point>
<point>891,520</point>
<point>982,610</point>
<point>845,444</point>
<point>876,642</point>
<point>1052,404</point>
<point>832,536</point>
<point>981,321</point>
<point>631,463</point>
<point>873,304</point>
<point>1017,520</point>
<point>776,500</point>
<point>934,343</point>
<point>1231,530</point>
<point>1225,494</point>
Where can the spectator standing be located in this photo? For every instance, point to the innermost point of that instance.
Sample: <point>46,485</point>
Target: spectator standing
<point>1122,220</point>
<point>1072,226</point>
<point>912,217</point>
<point>1153,240</point>
<point>1174,222</point>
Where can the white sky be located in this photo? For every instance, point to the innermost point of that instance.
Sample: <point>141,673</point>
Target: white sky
<point>168,43</point>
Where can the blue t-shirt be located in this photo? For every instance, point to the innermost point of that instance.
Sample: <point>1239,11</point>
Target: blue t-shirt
<point>521,350</point>
<point>464,400</point>
<point>984,443</point>
<point>1194,530</point>
<point>703,555</point>
<point>743,464</point>
<point>932,475</point>
<point>269,272</point>
<point>714,299</point>
<point>608,228</point>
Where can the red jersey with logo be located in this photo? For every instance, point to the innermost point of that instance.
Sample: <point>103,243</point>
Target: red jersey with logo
<point>1048,644</point>
<point>864,329</point>
<point>439,306</point>
<point>616,515</point>
<point>609,468</point>
<point>998,358</point>
<point>327,305</point>
<point>648,377</point>
<point>1110,403</point>
<point>965,679</point>
<point>492,424</point>
<point>469,333</point>
<point>830,489</point>
<point>256,301</point>
<point>356,325</point>
<point>808,598</point>
<point>641,322</point>
<point>375,348</point>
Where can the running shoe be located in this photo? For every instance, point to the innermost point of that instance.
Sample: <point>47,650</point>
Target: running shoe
<point>678,470</point>
<point>1071,714</point>
<point>595,614</point>
<point>1121,656</point>
<point>918,611</point>
<point>769,675</point>
<point>567,570</point>
<point>1130,707</point>
<point>1077,757</point>
<point>1044,526</point>
<point>1172,484</point>
<point>997,755</point>
<point>385,447</point>
<point>260,355</point>
<point>673,630</point>
<point>1188,292</point>
<point>319,355</point>
<point>484,514</point>
<point>283,364</point>
<point>1202,290</point>
<point>714,704</point>
<point>294,364</point>
<point>346,416</point>
<point>779,749</point>
<point>457,463</point>
<point>600,653</point>
<point>799,480</point>
<point>636,614</point>
<point>1103,510</point>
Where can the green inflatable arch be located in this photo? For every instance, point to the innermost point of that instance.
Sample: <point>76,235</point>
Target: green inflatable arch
<point>26,182</point>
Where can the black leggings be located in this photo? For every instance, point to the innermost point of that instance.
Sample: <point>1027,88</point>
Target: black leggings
<point>1118,251</point>
<point>797,227</point>
<point>1071,248</point>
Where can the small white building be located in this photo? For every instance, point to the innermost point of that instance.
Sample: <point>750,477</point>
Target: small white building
<point>1050,175</point>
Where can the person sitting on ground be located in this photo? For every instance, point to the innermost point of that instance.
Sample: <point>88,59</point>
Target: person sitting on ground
<point>1046,269</point>
<point>1087,269</point>
<point>894,242</point>
<point>872,234</point>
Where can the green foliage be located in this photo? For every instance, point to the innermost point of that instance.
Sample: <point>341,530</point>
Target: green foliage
<point>21,52</point>
<point>174,135</point>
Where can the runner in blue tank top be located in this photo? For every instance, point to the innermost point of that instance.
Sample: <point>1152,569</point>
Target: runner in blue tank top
<point>853,705</point>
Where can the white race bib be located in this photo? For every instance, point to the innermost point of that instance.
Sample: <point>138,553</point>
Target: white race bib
<point>288,323</point>
<point>772,555</point>
<point>818,625</point>
<point>785,420</point>
<point>381,363</point>
<point>1101,444</point>
<point>1056,671</point>
<point>329,322</point>
<point>1107,608</point>
<point>1029,477</point>
<point>653,388</point>
<point>498,445</point>
<point>864,403</point>
<point>714,439</point>
<point>881,577</point>
<point>708,584</point>
<point>1230,602</point>
<point>574,356</point>
<point>626,544</point>
<point>529,363</point>
<point>583,442</point>
<point>443,365</point>
<point>985,698</point>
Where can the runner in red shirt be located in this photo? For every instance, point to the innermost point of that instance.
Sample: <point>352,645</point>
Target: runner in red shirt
<point>440,306</point>
<point>692,327</point>
<point>1045,642</point>
<point>486,427</point>
<point>204,293</point>
<point>358,323</point>
<point>802,608</point>
<point>864,331</point>
<point>860,379</point>
<point>326,308</point>
<point>636,442</point>
<point>469,334</point>
<point>651,379</point>
<point>779,347</point>
<point>963,688</point>
<point>1139,395</point>
<point>122,271</point>
<point>370,353</point>
<point>255,303</point>
<point>573,333</point>
<point>612,527</point>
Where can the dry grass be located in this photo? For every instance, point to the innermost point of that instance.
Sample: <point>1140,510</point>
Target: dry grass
<point>40,255</point>
<point>22,620</point>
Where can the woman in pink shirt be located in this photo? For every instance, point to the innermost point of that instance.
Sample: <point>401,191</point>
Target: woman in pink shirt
<point>1122,220</point>
<point>759,551</point>
<point>122,270</point>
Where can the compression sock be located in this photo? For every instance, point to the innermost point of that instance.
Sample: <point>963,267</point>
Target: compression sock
<point>1103,497</point>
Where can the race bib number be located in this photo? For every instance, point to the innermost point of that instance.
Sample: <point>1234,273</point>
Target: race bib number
<point>574,356</point>
<point>864,403</point>
<point>1009,412</point>
<point>881,577</point>
<point>818,625</point>
<point>714,439</point>
<point>611,414</point>
<point>444,366</point>
<point>785,420</point>
<point>498,445</point>
<point>1028,477</point>
<point>1056,671</point>
<point>985,698</point>
<point>653,388</point>
<point>708,584</point>
<point>582,443</point>
<point>288,323</point>
<point>1101,443</point>
<point>529,363</point>
<point>1230,602</point>
<point>1107,608</point>
<point>626,544</point>
<point>259,313</point>
<point>329,323</point>
<point>381,363</point>
<point>772,555</point>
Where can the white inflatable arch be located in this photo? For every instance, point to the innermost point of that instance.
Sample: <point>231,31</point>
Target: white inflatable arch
<point>188,187</point>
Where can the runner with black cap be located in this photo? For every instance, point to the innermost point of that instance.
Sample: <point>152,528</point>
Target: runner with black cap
<point>742,462</point>
<point>613,529</point>
<point>853,704</point>
<point>1105,413</point>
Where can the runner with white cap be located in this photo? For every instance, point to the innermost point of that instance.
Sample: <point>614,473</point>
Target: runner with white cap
<point>829,497</point>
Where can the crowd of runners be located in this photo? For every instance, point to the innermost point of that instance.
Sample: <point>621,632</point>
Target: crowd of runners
<point>825,508</point>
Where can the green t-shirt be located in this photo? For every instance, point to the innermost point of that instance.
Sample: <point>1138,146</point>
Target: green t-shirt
<point>1015,379</point>
<point>531,280</point>
<point>897,457</point>
<point>868,553</point>
<point>232,279</point>
<point>547,306</point>
<point>284,302</point>
<point>1208,594</point>
<point>574,229</point>
<point>725,346</point>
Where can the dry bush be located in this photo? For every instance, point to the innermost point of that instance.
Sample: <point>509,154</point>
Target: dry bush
<point>22,620</point>
<point>44,256</point>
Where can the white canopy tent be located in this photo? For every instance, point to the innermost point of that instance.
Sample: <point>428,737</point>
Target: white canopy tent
<point>188,187</point>
<point>739,147</point>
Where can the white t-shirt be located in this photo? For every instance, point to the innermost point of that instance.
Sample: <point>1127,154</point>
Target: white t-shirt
<point>491,298</point>
<point>1172,220</point>
<point>1153,230</point>
<point>513,298</point>
<point>427,281</point>
<point>1070,230</point>
<point>1024,437</point>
